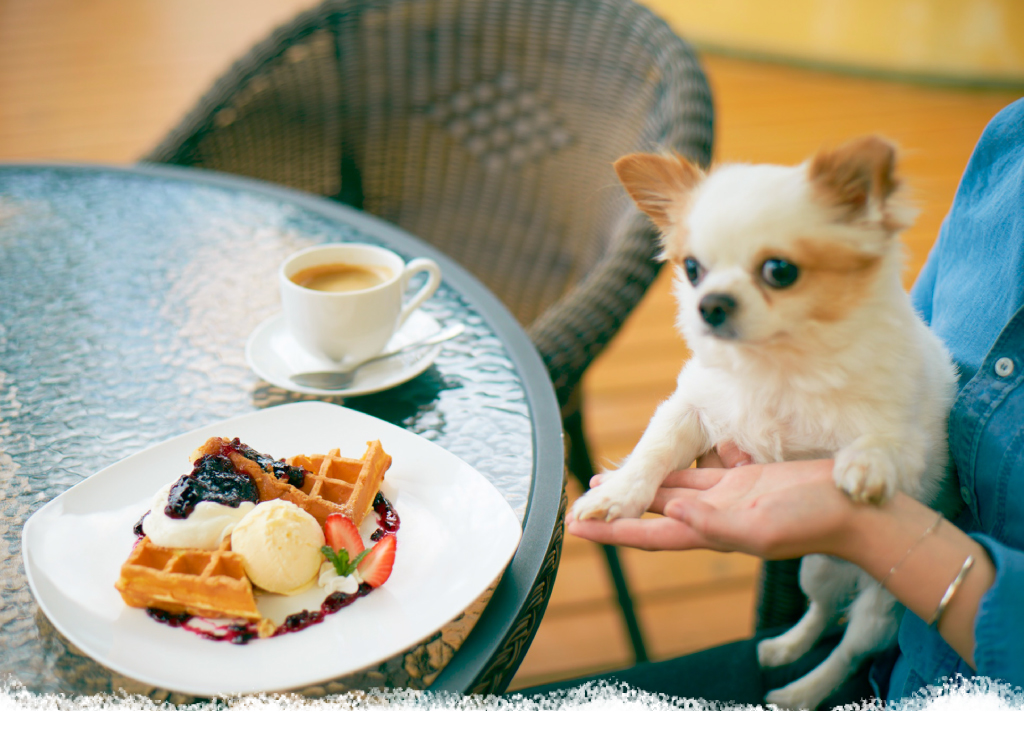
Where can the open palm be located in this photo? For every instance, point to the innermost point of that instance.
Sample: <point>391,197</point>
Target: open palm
<point>780,510</point>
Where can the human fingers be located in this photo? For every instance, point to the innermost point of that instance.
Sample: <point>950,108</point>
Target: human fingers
<point>695,478</point>
<point>648,534</point>
<point>720,529</point>
<point>745,529</point>
<point>710,460</point>
<point>731,455</point>
<point>725,455</point>
<point>704,477</point>
<point>668,494</point>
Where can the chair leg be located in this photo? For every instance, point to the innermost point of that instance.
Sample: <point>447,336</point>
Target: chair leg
<point>580,463</point>
<point>582,468</point>
<point>636,636</point>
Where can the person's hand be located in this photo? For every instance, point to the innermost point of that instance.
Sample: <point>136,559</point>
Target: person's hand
<point>780,510</point>
<point>725,455</point>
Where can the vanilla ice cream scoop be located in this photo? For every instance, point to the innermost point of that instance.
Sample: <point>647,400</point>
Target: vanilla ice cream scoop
<point>280,544</point>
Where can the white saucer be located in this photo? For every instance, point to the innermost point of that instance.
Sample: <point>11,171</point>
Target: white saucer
<point>274,356</point>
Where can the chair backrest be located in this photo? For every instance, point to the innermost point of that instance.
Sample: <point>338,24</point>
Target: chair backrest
<point>485,127</point>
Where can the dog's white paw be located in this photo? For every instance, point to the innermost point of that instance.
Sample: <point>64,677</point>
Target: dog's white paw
<point>800,695</point>
<point>777,651</point>
<point>866,471</point>
<point>615,497</point>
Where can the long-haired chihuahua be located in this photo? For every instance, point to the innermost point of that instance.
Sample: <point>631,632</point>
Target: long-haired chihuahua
<point>805,345</point>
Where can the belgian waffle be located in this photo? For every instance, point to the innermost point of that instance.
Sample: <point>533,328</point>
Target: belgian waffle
<point>336,484</point>
<point>186,580</point>
<point>332,483</point>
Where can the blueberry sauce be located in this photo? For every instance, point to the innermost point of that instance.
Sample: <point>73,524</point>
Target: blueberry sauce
<point>139,532</point>
<point>235,633</point>
<point>214,479</point>
<point>241,633</point>
<point>334,602</point>
<point>294,475</point>
<point>387,518</point>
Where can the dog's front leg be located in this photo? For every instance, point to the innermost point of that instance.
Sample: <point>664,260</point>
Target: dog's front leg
<point>674,438</point>
<point>873,467</point>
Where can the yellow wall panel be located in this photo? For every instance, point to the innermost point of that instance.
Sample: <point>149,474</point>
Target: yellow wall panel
<point>957,40</point>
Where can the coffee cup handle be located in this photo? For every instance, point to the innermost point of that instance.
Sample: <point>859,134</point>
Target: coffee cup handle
<point>414,266</point>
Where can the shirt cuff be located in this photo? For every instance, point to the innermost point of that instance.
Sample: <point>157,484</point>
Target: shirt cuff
<point>998,633</point>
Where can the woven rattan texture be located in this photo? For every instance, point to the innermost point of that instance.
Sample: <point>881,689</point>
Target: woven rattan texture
<point>485,127</point>
<point>127,302</point>
<point>499,673</point>
<point>780,602</point>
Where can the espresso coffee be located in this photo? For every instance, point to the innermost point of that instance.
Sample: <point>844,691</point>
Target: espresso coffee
<point>341,277</point>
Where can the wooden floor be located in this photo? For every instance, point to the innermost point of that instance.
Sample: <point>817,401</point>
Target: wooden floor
<point>103,80</point>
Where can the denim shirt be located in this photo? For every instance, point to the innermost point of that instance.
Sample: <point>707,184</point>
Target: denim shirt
<point>971,292</point>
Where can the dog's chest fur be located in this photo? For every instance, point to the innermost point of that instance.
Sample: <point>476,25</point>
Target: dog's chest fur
<point>779,416</point>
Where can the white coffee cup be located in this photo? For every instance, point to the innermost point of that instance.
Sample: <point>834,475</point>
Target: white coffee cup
<point>351,325</point>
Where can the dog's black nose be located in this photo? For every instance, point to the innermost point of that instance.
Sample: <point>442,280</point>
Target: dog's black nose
<point>716,308</point>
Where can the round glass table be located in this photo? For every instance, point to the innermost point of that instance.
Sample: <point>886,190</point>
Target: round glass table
<point>128,296</point>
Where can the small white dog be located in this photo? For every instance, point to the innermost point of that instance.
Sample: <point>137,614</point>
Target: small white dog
<point>805,345</point>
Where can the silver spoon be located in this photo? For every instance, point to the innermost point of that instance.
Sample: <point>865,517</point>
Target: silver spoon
<point>340,379</point>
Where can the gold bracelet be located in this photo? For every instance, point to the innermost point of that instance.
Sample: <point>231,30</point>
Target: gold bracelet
<point>950,593</point>
<point>925,534</point>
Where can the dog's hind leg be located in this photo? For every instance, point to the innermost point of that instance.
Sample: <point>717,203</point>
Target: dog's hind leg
<point>797,640</point>
<point>827,584</point>
<point>872,627</point>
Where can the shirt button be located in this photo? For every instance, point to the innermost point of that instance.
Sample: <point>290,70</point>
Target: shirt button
<point>1004,366</point>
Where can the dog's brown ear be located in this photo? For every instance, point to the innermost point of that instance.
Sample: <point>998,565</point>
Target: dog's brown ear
<point>657,183</point>
<point>851,175</point>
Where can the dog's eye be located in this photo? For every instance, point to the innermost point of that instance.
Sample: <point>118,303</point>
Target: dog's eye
<point>779,273</point>
<point>694,271</point>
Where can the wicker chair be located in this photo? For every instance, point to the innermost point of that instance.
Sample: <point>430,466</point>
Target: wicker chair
<point>780,602</point>
<point>487,128</point>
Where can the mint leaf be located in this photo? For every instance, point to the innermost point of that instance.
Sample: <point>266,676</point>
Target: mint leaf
<point>338,560</point>
<point>342,565</point>
<point>358,560</point>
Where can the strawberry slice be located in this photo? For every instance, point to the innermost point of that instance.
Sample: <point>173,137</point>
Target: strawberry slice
<point>376,566</point>
<point>342,533</point>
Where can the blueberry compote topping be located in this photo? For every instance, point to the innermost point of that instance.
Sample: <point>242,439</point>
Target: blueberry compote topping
<point>139,532</point>
<point>239,633</point>
<point>334,602</point>
<point>214,479</point>
<point>387,518</point>
<point>294,475</point>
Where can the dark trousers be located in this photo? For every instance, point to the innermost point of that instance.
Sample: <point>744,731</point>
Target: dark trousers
<point>726,674</point>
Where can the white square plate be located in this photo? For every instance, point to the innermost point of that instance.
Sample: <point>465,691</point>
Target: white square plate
<point>457,535</point>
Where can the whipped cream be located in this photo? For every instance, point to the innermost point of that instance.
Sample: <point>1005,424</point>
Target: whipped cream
<point>205,528</point>
<point>331,581</point>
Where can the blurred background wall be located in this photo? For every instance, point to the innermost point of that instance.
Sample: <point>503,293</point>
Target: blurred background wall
<point>974,41</point>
